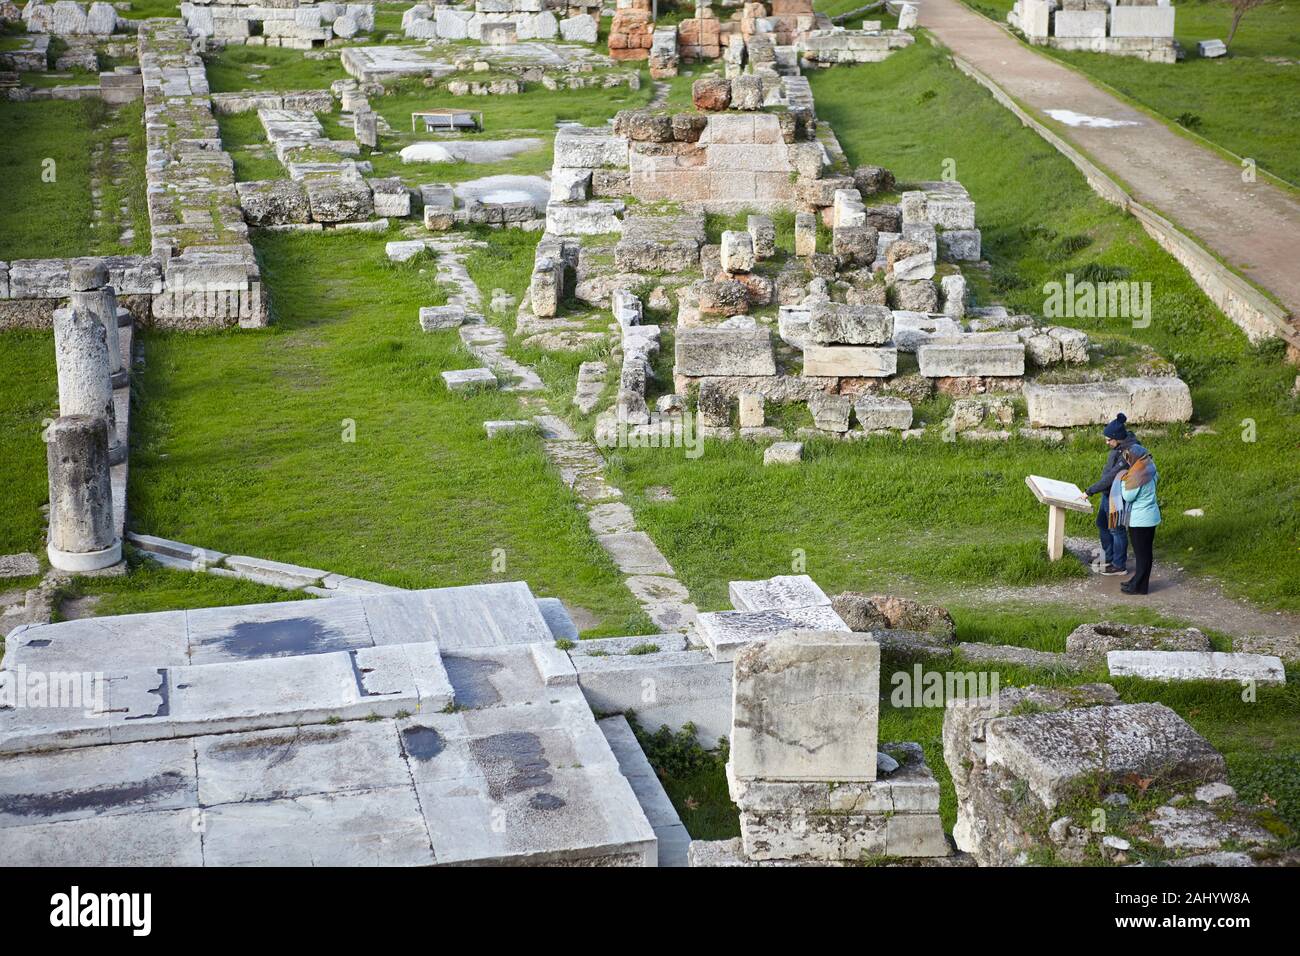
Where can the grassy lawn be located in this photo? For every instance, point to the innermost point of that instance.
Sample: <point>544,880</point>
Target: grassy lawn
<point>238,442</point>
<point>1247,102</point>
<point>245,140</point>
<point>47,163</point>
<point>29,397</point>
<point>236,68</point>
<point>881,513</point>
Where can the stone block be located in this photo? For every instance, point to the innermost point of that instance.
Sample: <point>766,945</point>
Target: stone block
<point>725,632</point>
<point>1131,21</point>
<point>805,234</point>
<point>460,380</point>
<point>831,412</point>
<point>1058,753</point>
<point>737,251</point>
<point>1197,665</point>
<point>751,409</point>
<point>339,200</point>
<point>716,351</point>
<point>849,361</point>
<point>960,245</point>
<point>1080,23</point>
<point>783,453</point>
<point>805,706</point>
<point>940,359</point>
<point>762,233</point>
<point>880,412</point>
<point>1091,640</point>
<point>777,593</point>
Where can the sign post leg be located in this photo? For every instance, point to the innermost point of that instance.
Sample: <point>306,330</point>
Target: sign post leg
<point>1055,532</point>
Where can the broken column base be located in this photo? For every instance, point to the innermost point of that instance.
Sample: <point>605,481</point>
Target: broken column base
<point>85,560</point>
<point>831,821</point>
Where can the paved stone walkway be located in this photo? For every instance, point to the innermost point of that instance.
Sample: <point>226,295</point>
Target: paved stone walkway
<point>1255,227</point>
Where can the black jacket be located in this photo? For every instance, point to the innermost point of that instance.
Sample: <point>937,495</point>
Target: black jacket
<point>1114,465</point>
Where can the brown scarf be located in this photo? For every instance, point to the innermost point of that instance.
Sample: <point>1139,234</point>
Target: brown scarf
<point>1139,472</point>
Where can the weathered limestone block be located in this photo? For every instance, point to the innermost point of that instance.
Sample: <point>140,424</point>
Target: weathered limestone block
<point>953,289</point>
<point>873,179</point>
<point>772,594</point>
<point>751,410</point>
<point>737,251</point>
<point>783,453</point>
<point>1261,669</point>
<point>831,412</point>
<point>959,245</point>
<point>579,29</point>
<point>747,92</point>
<point>863,612</point>
<point>546,289</point>
<point>805,707</point>
<point>833,323</point>
<point>1096,640</point>
<point>1144,400</point>
<point>851,361</point>
<point>947,358</point>
<point>712,94</point>
<point>391,197</point>
<point>805,234</point>
<point>582,147</point>
<point>82,532</point>
<point>702,351</point>
<point>726,297</point>
<point>919,295</point>
<point>762,233</point>
<point>274,202</point>
<point>855,246</point>
<point>584,219</point>
<point>339,200</point>
<point>881,412</point>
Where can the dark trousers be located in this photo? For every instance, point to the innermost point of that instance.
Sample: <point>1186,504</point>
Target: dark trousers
<point>1114,541</point>
<point>1143,539</point>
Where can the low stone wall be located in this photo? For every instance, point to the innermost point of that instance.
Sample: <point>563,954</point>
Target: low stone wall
<point>297,24</point>
<point>66,18</point>
<point>1144,29</point>
<point>505,21</point>
<point>31,289</point>
<point>210,274</point>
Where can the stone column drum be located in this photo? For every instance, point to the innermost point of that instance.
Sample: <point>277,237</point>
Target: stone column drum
<point>92,293</point>
<point>83,535</point>
<point>85,377</point>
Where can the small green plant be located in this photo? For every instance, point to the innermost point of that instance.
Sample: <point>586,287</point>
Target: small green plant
<point>640,649</point>
<point>1188,120</point>
<point>564,644</point>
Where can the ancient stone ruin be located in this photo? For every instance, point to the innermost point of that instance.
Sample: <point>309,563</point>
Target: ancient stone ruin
<point>1137,28</point>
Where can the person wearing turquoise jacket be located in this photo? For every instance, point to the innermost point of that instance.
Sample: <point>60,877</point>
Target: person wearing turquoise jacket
<point>1133,505</point>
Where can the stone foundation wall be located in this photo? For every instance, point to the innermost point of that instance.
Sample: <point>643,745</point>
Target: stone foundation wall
<point>210,274</point>
<point>66,18</point>
<point>300,24</point>
<point>1144,30</point>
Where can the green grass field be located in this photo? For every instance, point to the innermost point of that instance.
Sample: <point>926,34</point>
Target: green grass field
<point>1247,102</point>
<point>48,165</point>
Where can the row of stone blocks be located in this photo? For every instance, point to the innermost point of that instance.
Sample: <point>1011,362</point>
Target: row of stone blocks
<point>210,273</point>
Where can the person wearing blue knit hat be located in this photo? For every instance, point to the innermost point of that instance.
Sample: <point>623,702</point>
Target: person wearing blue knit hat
<point>1114,541</point>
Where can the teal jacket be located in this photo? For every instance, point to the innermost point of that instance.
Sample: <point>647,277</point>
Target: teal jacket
<point>1144,513</point>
